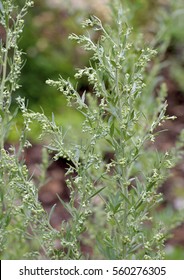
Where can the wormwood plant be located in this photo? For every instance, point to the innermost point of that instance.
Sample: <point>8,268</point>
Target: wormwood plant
<point>116,197</point>
<point>24,226</point>
<point>114,171</point>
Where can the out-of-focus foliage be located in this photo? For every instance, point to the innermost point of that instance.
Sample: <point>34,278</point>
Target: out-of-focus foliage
<point>49,53</point>
<point>162,23</point>
<point>174,253</point>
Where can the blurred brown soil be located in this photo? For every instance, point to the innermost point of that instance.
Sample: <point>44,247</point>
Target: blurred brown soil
<point>173,188</point>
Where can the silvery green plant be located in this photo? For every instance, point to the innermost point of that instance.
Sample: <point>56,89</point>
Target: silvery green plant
<point>24,225</point>
<point>114,171</point>
<point>112,201</point>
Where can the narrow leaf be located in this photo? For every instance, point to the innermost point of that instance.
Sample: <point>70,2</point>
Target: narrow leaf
<point>51,212</point>
<point>98,191</point>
